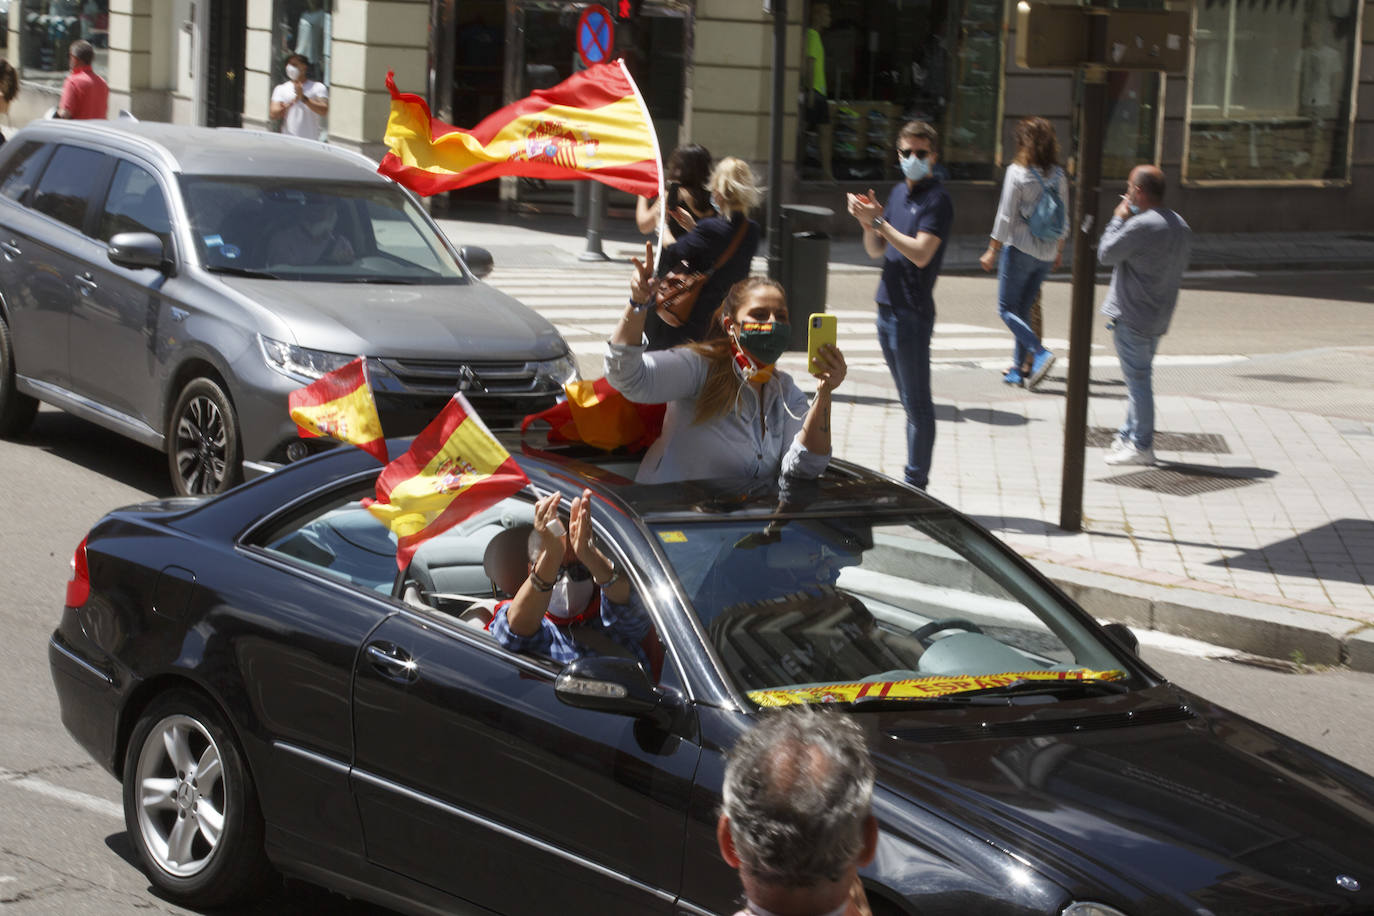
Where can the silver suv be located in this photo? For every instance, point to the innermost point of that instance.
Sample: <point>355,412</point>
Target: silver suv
<point>175,284</point>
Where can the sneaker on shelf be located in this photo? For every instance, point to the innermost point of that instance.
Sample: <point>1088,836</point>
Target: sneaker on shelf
<point>1040,367</point>
<point>1013,377</point>
<point>1130,454</point>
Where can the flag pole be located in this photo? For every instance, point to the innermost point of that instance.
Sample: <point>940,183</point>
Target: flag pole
<point>658,159</point>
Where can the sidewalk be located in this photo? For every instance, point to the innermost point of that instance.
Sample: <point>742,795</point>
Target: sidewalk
<point>1254,533</point>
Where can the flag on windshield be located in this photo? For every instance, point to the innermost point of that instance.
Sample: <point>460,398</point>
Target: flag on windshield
<point>455,468</point>
<point>597,414</point>
<point>593,125</point>
<point>340,406</point>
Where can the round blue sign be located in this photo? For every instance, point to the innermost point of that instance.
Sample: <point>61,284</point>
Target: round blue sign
<point>595,35</point>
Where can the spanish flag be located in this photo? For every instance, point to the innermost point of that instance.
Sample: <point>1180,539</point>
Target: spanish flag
<point>340,406</point>
<point>593,125</point>
<point>453,469</point>
<point>597,414</point>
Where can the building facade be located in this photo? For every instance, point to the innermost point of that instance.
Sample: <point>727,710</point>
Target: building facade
<point>1270,128</point>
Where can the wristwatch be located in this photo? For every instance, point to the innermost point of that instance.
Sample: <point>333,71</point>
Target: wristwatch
<point>615,577</point>
<point>878,222</point>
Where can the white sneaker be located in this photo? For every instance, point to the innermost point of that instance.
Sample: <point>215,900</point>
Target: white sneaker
<point>1118,443</point>
<point>1129,454</point>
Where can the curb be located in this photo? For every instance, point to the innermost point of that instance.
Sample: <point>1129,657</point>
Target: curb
<point>1256,627</point>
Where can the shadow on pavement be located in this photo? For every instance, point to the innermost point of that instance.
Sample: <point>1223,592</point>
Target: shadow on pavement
<point>97,449</point>
<point>1321,553</point>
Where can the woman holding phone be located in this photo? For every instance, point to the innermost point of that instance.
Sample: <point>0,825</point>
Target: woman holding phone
<point>731,412</point>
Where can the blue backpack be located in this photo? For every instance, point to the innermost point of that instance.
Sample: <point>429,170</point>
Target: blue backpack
<point>1048,218</point>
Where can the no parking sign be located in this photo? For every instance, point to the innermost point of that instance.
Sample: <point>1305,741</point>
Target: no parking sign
<point>595,35</point>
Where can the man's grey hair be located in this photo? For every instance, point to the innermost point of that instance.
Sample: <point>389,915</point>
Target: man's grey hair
<point>798,793</point>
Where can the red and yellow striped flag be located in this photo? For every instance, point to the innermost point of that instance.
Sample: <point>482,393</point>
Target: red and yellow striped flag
<point>597,414</point>
<point>593,125</point>
<point>452,470</point>
<point>340,406</point>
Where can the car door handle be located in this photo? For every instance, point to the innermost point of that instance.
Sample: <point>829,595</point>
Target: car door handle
<point>392,661</point>
<point>10,248</point>
<point>87,282</point>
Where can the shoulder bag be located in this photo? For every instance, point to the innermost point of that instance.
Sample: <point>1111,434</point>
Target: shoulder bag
<point>679,290</point>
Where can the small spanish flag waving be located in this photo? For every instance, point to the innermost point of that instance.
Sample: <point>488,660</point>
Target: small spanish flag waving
<point>340,406</point>
<point>453,469</point>
<point>593,125</point>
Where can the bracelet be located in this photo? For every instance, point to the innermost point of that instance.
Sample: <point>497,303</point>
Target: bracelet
<point>538,583</point>
<point>615,577</point>
<point>638,306</point>
<point>878,222</point>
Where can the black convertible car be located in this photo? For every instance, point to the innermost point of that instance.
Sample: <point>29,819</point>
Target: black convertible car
<point>274,696</point>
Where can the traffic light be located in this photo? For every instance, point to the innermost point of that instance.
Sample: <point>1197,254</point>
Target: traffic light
<point>626,10</point>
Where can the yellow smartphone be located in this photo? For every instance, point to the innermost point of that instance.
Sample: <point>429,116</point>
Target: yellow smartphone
<point>820,329</point>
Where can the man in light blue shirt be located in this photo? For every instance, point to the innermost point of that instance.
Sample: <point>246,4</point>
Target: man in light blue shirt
<point>1147,246</point>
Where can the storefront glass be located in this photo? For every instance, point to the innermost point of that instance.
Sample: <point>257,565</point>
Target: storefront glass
<point>48,29</point>
<point>301,27</point>
<point>1132,121</point>
<point>887,62</point>
<point>1272,87</point>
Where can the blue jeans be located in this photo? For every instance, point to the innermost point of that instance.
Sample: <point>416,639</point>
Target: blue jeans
<point>1019,277</point>
<point>904,334</point>
<point>1137,352</point>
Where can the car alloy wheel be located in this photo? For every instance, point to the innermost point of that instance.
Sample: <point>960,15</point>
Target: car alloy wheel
<point>16,410</point>
<point>190,806</point>
<point>203,440</point>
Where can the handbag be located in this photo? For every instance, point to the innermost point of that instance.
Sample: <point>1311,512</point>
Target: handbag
<point>678,290</point>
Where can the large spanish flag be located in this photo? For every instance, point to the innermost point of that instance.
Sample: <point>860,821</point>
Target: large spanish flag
<point>597,414</point>
<point>340,405</point>
<point>593,125</point>
<point>452,470</point>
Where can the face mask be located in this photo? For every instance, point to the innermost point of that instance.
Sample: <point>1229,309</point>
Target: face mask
<point>1134,208</point>
<point>715,204</point>
<point>571,595</point>
<point>914,168</point>
<point>293,72</point>
<point>765,341</point>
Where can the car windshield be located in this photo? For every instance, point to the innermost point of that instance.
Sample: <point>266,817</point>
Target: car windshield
<point>920,608</point>
<point>339,232</point>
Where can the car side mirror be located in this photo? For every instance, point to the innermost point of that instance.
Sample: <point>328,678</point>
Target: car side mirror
<point>615,685</point>
<point>478,260</point>
<point>136,250</point>
<point>1123,635</point>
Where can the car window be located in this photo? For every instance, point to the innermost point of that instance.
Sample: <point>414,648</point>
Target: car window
<point>341,540</point>
<point>831,609</point>
<point>349,232</point>
<point>134,203</point>
<point>68,184</point>
<point>22,168</point>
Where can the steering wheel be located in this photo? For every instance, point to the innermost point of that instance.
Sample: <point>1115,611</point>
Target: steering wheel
<point>922,634</point>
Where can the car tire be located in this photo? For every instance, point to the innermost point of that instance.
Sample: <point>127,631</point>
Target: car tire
<point>203,450</point>
<point>190,805</point>
<point>16,410</point>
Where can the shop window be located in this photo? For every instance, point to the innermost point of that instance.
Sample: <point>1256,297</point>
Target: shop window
<point>1132,121</point>
<point>889,61</point>
<point>48,29</point>
<point>302,27</point>
<point>1272,88</point>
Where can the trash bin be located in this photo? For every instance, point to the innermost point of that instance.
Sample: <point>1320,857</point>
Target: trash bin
<point>805,264</point>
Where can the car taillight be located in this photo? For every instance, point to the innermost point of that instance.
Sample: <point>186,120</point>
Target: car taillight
<point>79,588</point>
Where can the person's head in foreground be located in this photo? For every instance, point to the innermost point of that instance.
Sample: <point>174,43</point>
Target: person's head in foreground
<point>796,820</point>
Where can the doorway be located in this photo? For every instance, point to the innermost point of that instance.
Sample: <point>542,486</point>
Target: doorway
<point>224,63</point>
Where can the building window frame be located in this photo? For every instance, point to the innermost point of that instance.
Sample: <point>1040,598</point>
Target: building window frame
<point>1191,113</point>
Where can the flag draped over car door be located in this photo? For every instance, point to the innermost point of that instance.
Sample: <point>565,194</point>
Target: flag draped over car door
<point>593,125</point>
<point>597,414</point>
<point>453,469</point>
<point>340,405</point>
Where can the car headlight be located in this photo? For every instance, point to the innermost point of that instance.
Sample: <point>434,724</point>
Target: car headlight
<point>1086,908</point>
<point>293,360</point>
<point>555,373</point>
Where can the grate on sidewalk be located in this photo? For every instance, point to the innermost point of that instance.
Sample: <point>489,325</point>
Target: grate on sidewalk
<point>1211,443</point>
<point>1185,480</point>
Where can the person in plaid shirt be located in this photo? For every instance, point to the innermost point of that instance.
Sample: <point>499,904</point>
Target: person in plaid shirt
<point>573,598</point>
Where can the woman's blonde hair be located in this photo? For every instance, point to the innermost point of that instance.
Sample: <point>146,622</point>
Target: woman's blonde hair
<point>1036,143</point>
<point>718,393</point>
<point>735,187</point>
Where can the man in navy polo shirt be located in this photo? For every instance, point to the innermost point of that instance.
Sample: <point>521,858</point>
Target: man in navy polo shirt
<point>909,235</point>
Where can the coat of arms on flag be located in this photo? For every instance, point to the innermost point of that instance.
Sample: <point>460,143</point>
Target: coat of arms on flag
<point>340,405</point>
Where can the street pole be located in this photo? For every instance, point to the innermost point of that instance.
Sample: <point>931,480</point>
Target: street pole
<point>779,8</point>
<point>1084,275</point>
<point>596,212</point>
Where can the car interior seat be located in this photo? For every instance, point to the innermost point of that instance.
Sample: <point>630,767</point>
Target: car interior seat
<point>449,572</point>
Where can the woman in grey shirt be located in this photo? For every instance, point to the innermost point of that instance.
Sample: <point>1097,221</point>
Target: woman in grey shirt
<point>731,412</point>
<point>1026,257</point>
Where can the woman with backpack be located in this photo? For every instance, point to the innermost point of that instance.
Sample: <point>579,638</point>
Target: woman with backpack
<point>1028,241</point>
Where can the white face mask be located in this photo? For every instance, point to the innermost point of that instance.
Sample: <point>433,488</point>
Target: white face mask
<point>570,598</point>
<point>293,72</point>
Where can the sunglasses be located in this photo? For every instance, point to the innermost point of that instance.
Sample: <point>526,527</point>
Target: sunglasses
<point>906,153</point>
